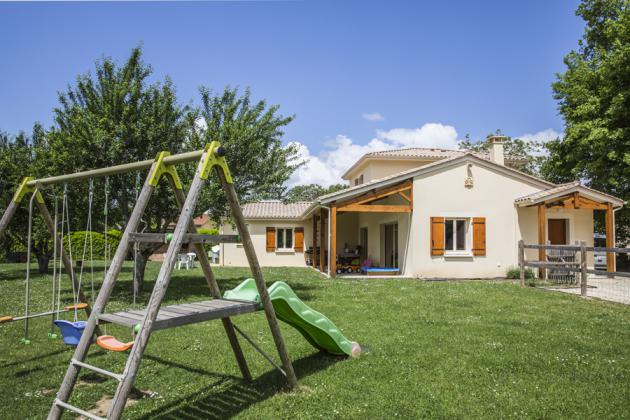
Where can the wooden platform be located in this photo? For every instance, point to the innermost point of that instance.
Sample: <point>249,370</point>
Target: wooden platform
<point>184,314</point>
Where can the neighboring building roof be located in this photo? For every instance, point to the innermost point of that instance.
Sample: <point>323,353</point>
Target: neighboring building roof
<point>568,188</point>
<point>201,220</point>
<point>423,153</point>
<point>275,209</point>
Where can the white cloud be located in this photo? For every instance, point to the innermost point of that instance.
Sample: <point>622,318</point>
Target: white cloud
<point>541,136</point>
<point>429,135</point>
<point>342,152</point>
<point>372,116</point>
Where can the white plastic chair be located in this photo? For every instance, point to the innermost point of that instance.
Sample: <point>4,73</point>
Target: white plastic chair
<point>183,260</point>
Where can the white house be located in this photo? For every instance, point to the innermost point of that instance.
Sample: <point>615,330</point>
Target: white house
<point>430,213</point>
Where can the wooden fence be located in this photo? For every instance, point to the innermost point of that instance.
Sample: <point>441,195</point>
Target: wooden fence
<point>579,267</point>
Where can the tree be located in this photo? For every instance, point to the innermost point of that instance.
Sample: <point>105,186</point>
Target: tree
<point>251,134</point>
<point>18,156</point>
<point>112,117</point>
<point>593,97</point>
<point>310,192</point>
<point>530,151</point>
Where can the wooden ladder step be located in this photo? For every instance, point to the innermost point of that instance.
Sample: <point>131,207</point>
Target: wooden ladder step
<point>189,238</point>
<point>78,410</point>
<point>113,375</point>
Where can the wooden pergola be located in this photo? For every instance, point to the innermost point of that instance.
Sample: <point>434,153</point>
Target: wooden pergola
<point>361,204</point>
<point>576,201</point>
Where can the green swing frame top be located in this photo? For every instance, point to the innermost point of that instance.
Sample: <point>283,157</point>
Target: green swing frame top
<point>211,157</point>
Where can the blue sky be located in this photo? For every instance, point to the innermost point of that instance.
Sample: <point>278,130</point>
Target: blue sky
<point>359,76</point>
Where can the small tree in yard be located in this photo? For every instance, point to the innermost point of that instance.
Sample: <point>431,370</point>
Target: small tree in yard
<point>310,192</point>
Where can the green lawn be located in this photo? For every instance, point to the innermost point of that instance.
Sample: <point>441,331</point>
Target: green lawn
<point>434,349</point>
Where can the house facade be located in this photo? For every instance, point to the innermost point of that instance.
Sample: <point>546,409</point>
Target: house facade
<point>428,213</point>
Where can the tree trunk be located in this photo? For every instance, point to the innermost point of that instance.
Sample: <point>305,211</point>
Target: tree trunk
<point>140,265</point>
<point>42,263</point>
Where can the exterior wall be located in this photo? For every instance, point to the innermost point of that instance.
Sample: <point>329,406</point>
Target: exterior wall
<point>580,226</point>
<point>234,254</point>
<point>374,169</point>
<point>492,196</point>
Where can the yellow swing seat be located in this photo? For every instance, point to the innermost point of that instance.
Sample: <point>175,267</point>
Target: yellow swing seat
<point>75,306</point>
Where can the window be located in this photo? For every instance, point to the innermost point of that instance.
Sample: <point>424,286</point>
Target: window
<point>456,236</point>
<point>359,180</point>
<point>284,238</point>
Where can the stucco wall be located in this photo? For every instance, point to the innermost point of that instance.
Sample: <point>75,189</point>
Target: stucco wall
<point>374,169</point>
<point>234,254</point>
<point>580,226</point>
<point>492,196</point>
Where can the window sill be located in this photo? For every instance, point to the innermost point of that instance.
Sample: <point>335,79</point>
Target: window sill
<point>285,251</point>
<point>460,254</point>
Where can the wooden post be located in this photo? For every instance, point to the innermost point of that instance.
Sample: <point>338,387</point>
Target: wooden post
<point>250,252</point>
<point>103,296</point>
<point>215,291</point>
<point>322,240</point>
<point>314,255</point>
<point>542,236</point>
<point>333,240</point>
<point>610,239</point>
<point>583,269</point>
<point>159,290</point>
<point>7,216</point>
<point>521,261</point>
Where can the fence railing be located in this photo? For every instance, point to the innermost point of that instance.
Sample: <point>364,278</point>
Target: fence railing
<point>578,265</point>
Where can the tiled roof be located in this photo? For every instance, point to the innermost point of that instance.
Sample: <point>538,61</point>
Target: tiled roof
<point>545,193</point>
<point>426,153</point>
<point>275,209</point>
<point>576,186</point>
<point>201,220</point>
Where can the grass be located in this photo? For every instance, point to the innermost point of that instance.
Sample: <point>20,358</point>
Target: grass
<point>462,349</point>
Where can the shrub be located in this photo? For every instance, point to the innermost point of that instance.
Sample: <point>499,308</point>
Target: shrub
<point>206,231</point>
<point>77,240</point>
<point>515,273</point>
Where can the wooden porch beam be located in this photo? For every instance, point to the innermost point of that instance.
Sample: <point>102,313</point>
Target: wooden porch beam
<point>405,196</point>
<point>314,255</point>
<point>333,241</point>
<point>542,236</point>
<point>376,208</point>
<point>322,237</point>
<point>376,195</point>
<point>610,242</point>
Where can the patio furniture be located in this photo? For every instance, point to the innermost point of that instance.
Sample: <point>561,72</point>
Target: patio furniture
<point>183,260</point>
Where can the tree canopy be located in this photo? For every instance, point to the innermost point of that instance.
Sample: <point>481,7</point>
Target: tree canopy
<point>593,96</point>
<point>310,192</point>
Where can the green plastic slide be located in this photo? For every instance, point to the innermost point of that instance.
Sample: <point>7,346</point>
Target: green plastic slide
<point>314,327</point>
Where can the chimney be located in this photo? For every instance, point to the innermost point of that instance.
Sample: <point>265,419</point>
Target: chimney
<point>496,149</point>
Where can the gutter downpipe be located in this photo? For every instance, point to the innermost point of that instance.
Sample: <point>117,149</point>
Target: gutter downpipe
<point>329,233</point>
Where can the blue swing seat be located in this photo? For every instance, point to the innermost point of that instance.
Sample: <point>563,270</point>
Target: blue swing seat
<point>71,331</point>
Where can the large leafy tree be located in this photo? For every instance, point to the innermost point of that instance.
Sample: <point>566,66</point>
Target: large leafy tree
<point>251,132</point>
<point>111,117</point>
<point>594,98</point>
<point>20,157</point>
<point>310,192</point>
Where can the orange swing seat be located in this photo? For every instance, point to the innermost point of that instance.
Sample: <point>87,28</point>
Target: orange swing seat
<point>109,342</point>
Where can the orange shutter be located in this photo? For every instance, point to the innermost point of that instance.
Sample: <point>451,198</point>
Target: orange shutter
<point>437,236</point>
<point>479,236</point>
<point>271,239</point>
<point>298,243</point>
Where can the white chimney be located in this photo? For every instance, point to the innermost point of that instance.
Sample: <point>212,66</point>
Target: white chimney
<point>496,149</point>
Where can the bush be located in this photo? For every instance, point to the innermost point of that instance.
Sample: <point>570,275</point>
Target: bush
<point>77,240</point>
<point>514,273</point>
<point>206,231</point>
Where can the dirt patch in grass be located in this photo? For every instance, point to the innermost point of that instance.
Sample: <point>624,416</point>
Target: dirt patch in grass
<point>103,405</point>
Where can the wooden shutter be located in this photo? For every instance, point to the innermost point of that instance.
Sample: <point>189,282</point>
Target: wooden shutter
<point>298,240</point>
<point>437,236</point>
<point>479,236</point>
<point>271,239</point>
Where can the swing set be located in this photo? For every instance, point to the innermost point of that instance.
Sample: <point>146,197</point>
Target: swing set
<point>144,322</point>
